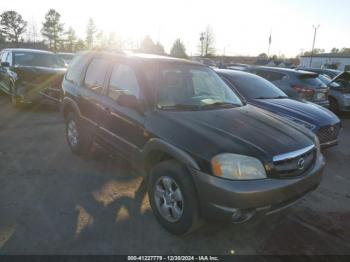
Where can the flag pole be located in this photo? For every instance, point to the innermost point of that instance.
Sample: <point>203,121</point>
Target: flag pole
<point>270,39</point>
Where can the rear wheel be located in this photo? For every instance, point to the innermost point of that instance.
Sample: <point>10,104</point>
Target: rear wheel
<point>172,197</point>
<point>333,105</point>
<point>77,139</point>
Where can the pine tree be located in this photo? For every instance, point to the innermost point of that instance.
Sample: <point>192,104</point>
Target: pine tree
<point>53,29</point>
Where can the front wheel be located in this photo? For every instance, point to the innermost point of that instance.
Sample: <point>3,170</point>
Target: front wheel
<point>172,197</point>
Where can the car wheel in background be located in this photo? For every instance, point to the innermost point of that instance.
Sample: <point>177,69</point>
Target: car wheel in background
<point>78,141</point>
<point>15,100</point>
<point>333,105</point>
<point>172,197</point>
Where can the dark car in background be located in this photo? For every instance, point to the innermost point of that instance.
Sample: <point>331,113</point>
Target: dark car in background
<point>27,74</point>
<point>262,93</point>
<point>204,151</point>
<point>295,83</point>
<point>339,87</point>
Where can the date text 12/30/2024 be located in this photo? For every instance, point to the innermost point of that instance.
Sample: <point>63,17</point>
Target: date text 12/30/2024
<point>172,258</point>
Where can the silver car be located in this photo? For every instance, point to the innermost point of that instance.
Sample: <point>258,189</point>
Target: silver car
<point>339,91</point>
<point>296,84</point>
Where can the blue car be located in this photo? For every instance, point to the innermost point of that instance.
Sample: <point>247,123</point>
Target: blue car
<point>262,93</point>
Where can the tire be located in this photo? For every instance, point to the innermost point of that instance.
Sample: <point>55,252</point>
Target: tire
<point>78,141</point>
<point>333,105</point>
<point>183,217</point>
<point>15,100</point>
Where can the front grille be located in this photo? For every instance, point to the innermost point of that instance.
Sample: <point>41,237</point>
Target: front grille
<point>328,133</point>
<point>294,163</point>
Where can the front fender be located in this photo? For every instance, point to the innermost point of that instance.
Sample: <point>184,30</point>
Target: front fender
<point>159,145</point>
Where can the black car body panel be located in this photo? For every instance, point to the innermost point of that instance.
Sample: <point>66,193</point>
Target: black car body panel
<point>147,133</point>
<point>31,82</point>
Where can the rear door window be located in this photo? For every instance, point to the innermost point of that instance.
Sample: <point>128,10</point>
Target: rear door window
<point>123,80</point>
<point>96,74</point>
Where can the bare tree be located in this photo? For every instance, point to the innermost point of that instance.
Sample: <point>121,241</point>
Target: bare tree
<point>207,42</point>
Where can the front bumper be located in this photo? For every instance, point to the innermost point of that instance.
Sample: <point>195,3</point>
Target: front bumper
<point>221,198</point>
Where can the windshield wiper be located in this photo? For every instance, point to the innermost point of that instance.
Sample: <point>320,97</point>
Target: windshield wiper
<point>180,107</point>
<point>220,104</point>
<point>275,97</point>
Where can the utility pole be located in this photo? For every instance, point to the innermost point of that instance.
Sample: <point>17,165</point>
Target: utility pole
<point>313,43</point>
<point>202,42</point>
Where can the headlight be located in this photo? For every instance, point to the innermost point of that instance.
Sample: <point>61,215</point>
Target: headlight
<point>237,167</point>
<point>301,122</point>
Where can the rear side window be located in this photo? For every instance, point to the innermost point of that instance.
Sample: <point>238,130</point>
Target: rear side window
<point>96,74</point>
<point>4,56</point>
<point>76,68</point>
<point>123,81</point>
<point>313,81</point>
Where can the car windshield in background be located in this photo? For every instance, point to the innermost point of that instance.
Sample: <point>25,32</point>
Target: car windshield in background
<point>66,57</point>
<point>325,79</point>
<point>189,87</point>
<point>253,87</point>
<point>37,59</point>
<point>312,81</point>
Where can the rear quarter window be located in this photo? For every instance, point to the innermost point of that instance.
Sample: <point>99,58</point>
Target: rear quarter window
<point>76,68</point>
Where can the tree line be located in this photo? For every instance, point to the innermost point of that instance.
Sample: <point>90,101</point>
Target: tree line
<point>57,38</point>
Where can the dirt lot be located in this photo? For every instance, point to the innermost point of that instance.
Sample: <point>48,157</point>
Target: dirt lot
<point>53,202</point>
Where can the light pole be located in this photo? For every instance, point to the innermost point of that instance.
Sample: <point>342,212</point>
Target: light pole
<point>313,43</point>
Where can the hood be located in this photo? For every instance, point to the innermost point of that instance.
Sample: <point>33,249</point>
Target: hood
<point>245,130</point>
<point>34,75</point>
<point>305,111</point>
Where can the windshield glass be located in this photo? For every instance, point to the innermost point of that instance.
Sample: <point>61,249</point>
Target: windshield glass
<point>193,87</point>
<point>253,87</point>
<point>37,59</point>
<point>327,80</point>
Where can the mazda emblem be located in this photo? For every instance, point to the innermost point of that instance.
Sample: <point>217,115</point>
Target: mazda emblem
<point>301,163</point>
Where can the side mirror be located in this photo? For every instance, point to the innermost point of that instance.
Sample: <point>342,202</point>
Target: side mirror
<point>130,101</point>
<point>5,64</point>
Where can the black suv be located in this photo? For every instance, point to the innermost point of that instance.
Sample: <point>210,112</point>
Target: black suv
<point>205,152</point>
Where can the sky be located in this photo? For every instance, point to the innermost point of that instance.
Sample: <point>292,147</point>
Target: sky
<point>241,27</point>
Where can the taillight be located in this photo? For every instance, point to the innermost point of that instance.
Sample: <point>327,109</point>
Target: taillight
<point>304,90</point>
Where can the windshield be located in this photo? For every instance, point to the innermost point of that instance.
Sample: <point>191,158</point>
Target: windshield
<point>37,59</point>
<point>66,57</point>
<point>253,87</point>
<point>193,87</point>
<point>325,79</point>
